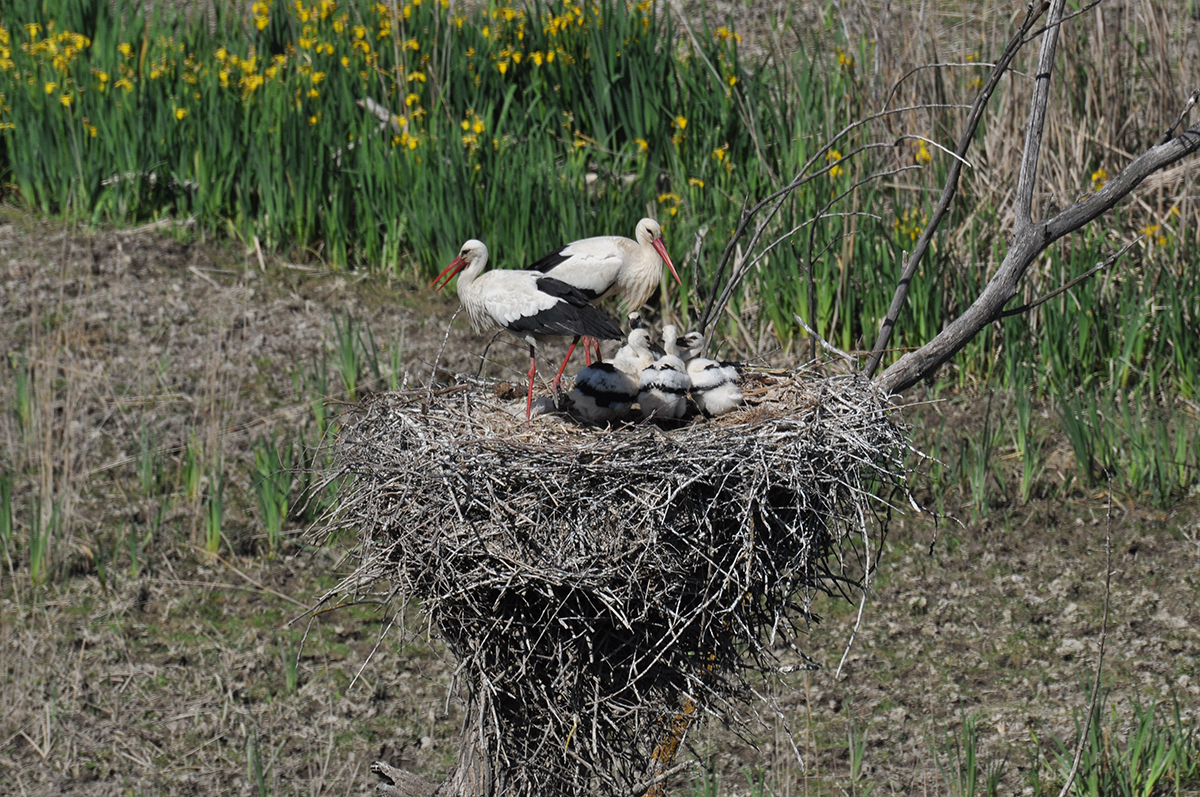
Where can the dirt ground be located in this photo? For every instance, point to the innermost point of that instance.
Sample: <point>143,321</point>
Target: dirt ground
<point>187,674</point>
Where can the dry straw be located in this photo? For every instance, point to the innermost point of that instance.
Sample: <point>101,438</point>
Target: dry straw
<point>597,586</point>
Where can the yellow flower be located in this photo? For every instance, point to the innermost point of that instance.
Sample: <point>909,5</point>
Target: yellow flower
<point>66,100</point>
<point>124,49</point>
<point>317,77</point>
<point>412,44</point>
<point>312,120</point>
<point>720,153</point>
<point>418,76</point>
<point>261,22</point>
<point>124,83</point>
<point>51,87</point>
<point>345,61</point>
<point>731,80</point>
<point>411,99</point>
<point>465,124</point>
<point>976,84</point>
<point>1098,178</point>
<point>180,113</point>
<point>478,127</point>
<point>223,76</point>
<point>91,128</point>
<point>695,182</point>
<point>725,34</point>
<point>537,58</point>
<point>487,33</point>
<point>313,94</point>
<point>359,31</point>
<point>33,29</point>
<point>680,122</point>
<point>103,76</point>
<point>642,144</point>
<point>922,155</point>
<point>833,156</point>
<point>844,59</point>
<point>502,66</point>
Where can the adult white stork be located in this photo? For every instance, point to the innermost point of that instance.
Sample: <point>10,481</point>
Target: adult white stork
<point>609,265</point>
<point>605,391</point>
<point>528,304</point>
<point>663,387</point>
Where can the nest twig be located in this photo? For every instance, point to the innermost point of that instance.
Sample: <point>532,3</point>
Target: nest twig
<point>595,584</point>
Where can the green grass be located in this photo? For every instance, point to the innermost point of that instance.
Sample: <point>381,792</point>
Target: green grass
<point>1156,753</point>
<point>271,479</point>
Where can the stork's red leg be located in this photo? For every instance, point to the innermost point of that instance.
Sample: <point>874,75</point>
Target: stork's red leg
<point>587,353</point>
<point>595,344</point>
<point>529,397</point>
<point>563,367</point>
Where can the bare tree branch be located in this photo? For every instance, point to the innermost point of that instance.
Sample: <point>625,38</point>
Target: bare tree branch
<point>1103,264</point>
<point>1025,248</point>
<point>951,188</point>
<point>1037,121</point>
<point>721,288</point>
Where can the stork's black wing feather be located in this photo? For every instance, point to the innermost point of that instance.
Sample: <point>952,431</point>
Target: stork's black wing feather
<point>548,261</point>
<point>571,315</point>
<point>563,290</point>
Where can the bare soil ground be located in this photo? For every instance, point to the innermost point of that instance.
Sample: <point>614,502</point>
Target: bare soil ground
<point>175,679</point>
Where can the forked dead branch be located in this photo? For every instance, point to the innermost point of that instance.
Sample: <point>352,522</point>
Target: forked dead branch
<point>601,589</point>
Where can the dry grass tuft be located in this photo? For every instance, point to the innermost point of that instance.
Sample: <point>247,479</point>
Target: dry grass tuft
<point>595,584</point>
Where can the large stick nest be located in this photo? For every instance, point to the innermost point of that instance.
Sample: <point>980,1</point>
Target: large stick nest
<point>598,586</point>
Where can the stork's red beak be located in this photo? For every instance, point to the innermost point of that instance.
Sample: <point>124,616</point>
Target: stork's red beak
<point>662,252</point>
<point>456,265</point>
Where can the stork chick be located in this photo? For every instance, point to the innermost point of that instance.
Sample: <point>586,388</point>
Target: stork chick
<point>605,392</point>
<point>714,384</point>
<point>663,386</point>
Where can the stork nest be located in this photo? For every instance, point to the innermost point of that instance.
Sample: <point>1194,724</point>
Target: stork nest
<point>602,589</point>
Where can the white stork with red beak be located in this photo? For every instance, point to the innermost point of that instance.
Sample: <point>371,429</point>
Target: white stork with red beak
<point>609,265</point>
<point>529,304</point>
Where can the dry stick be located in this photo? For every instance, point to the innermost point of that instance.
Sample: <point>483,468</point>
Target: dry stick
<point>262,587</point>
<point>438,359</point>
<point>715,307</point>
<point>950,189</point>
<point>829,347</point>
<point>1105,263</point>
<point>1087,725</point>
<point>1036,129</point>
